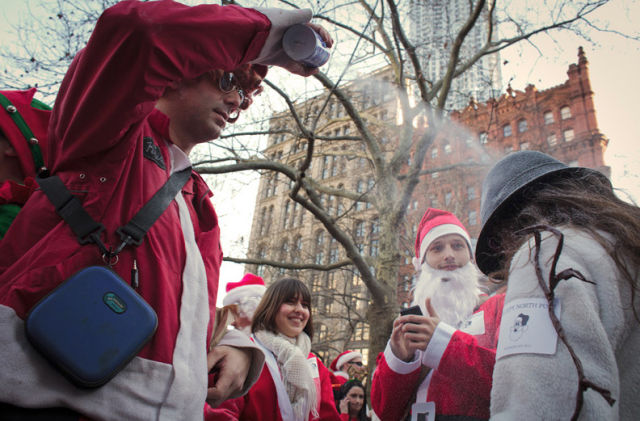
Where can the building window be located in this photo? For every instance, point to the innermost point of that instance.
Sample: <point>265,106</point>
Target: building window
<point>548,117</point>
<point>333,254</point>
<point>565,112</point>
<point>360,229</point>
<point>506,130</point>
<point>524,146</point>
<point>573,164</point>
<point>434,153</point>
<point>322,332</point>
<point>269,220</point>
<point>447,198</point>
<point>471,192</point>
<point>263,221</point>
<point>447,148</point>
<point>297,251</point>
<point>568,135</point>
<point>472,218</point>
<point>435,175</point>
<point>522,126</point>
<point>334,166</point>
<point>285,215</point>
<point>319,248</point>
<point>261,256</point>
<point>484,137</point>
<point>359,190</point>
<point>375,227</point>
<point>361,332</point>
<point>284,255</point>
<point>332,282</point>
<point>373,247</point>
<point>274,186</point>
<point>551,139</point>
<point>325,167</point>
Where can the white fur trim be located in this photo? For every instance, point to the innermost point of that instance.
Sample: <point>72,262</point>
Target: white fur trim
<point>399,366</point>
<point>437,345</point>
<point>189,387</point>
<point>439,231</point>
<point>348,357</point>
<point>237,294</point>
<point>341,374</point>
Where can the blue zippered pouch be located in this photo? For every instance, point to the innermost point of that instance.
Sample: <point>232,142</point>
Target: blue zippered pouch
<point>91,326</point>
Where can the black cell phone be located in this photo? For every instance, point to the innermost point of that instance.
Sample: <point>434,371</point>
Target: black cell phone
<point>411,310</point>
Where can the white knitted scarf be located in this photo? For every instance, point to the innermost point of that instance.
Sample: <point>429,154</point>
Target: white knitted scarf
<point>291,356</point>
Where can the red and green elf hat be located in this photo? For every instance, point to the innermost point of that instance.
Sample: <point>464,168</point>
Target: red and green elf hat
<point>24,121</point>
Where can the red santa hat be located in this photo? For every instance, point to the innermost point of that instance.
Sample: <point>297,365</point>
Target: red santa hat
<point>24,121</point>
<point>343,358</point>
<point>436,223</point>
<point>249,285</point>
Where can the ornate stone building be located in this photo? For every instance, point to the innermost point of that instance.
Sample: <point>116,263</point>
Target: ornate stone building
<point>559,121</point>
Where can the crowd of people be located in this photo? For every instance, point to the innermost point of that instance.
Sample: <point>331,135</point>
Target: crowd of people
<point>560,343</point>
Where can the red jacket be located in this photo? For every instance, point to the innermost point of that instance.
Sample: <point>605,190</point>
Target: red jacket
<point>261,403</point>
<point>461,383</point>
<point>111,148</point>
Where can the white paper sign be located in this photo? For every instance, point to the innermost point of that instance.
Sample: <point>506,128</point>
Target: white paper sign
<point>313,363</point>
<point>526,328</point>
<point>474,325</point>
<point>423,411</point>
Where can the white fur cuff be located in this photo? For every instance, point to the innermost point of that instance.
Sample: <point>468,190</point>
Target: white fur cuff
<point>437,345</point>
<point>399,366</point>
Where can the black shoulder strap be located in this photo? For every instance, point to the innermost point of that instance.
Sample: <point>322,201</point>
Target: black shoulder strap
<point>142,221</point>
<point>87,230</point>
<point>70,209</point>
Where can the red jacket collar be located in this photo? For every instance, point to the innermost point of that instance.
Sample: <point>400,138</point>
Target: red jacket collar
<point>160,123</point>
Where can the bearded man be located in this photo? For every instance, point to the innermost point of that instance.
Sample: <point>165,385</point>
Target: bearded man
<point>440,364</point>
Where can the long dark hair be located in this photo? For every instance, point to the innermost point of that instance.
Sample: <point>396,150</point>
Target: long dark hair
<point>344,390</point>
<point>587,203</point>
<point>278,293</point>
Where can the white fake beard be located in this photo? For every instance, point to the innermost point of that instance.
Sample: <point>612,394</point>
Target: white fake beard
<point>455,298</point>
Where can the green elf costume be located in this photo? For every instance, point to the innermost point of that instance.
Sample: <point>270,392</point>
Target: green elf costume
<point>23,128</point>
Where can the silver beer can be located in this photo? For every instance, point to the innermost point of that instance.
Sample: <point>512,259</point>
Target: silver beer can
<point>304,45</point>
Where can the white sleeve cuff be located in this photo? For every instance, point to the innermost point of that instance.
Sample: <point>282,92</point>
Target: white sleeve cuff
<point>399,366</point>
<point>437,345</point>
<point>237,339</point>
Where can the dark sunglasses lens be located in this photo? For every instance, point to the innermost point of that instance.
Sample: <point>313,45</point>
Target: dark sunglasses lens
<point>226,82</point>
<point>359,363</point>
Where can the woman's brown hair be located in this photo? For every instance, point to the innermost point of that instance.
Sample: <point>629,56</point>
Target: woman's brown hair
<point>587,203</point>
<point>278,293</point>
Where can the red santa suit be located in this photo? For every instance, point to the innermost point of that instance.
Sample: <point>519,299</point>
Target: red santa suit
<point>452,375</point>
<point>112,148</point>
<point>339,377</point>
<point>462,366</point>
<point>268,400</point>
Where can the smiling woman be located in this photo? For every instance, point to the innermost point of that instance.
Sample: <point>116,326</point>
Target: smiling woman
<point>294,384</point>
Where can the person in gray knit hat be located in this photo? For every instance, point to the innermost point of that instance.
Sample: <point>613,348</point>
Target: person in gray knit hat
<point>569,249</point>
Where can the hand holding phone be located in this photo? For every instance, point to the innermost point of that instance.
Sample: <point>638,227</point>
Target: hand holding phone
<point>411,310</point>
